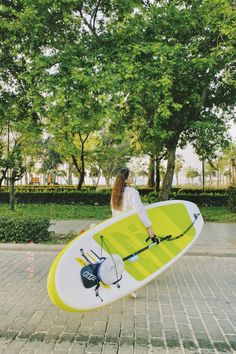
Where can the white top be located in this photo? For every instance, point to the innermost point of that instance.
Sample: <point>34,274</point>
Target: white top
<point>132,200</point>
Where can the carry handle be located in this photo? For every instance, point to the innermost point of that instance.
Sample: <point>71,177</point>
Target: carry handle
<point>157,240</point>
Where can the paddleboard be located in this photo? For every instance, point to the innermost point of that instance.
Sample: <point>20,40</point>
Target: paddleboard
<point>123,235</point>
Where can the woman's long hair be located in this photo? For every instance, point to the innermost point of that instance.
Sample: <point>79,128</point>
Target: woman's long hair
<point>118,189</point>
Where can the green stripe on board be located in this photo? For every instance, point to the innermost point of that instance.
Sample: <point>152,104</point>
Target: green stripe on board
<point>128,235</point>
<point>148,262</point>
<point>115,247</point>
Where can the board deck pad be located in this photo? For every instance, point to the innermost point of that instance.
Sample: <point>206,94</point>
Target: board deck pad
<point>128,236</point>
<point>123,235</point>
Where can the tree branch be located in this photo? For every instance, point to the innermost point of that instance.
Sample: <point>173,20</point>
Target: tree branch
<point>75,163</point>
<point>94,15</point>
<point>83,141</point>
<point>88,24</point>
<point>8,3</point>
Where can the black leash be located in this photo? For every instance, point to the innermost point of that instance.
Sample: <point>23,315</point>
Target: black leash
<point>157,240</point>
<point>187,229</point>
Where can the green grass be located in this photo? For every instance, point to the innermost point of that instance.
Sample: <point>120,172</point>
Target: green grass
<point>218,214</point>
<point>69,212</point>
<point>59,211</point>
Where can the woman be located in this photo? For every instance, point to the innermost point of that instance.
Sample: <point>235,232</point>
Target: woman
<point>125,198</point>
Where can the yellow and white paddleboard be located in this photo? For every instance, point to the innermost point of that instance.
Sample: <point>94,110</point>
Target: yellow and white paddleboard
<point>123,235</point>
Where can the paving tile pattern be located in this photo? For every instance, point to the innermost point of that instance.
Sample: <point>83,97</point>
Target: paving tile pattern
<point>190,308</point>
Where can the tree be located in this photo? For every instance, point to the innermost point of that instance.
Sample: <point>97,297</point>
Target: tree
<point>208,138</point>
<point>111,154</point>
<point>75,104</point>
<point>156,67</point>
<point>38,40</point>
<point>219,165</point>
<point>191,173</point>
<point>95,174</point>
<point>176,64</point>
<point>51,160</point>
<point>137,167</point>
<point>230,157</point>
<point>15,164</point>
<point>20,120</point>
<point>178,167</point>
<point>17,135</point>
<point>211,173</point>
<point>11,160</point>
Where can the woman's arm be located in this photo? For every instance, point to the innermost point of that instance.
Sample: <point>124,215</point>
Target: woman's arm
<point>142,213</point>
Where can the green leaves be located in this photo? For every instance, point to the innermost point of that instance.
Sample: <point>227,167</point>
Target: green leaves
<point>156,70</point>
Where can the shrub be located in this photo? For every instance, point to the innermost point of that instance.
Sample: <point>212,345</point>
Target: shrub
<point>144,191</point>
<point>24,229</point>
<point>199,191</point>
<point>204,199</point>
<point>175,189</point>
<point>199,199</point>
<point>232,199</point>
<point>103,198</point>
<point>48,188</point>
<point>87,198</point>
<point>151,198</point>
<point>107,190</point>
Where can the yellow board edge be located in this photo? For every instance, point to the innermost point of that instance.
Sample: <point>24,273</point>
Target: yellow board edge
<point>51,286</point>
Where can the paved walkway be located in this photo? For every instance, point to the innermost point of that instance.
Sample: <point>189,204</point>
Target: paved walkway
<point>190,308</point>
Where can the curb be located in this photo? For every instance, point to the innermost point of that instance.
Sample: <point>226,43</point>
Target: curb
<point>23,247</point>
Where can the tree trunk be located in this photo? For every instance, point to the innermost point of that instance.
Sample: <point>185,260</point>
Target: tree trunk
<point>82,160</point>
<point>69,176</point>
<point>151,172</point>
<point>12,194</point>
<point>96,181</point>
<point>80,178</point>
<point>168,178</point>
<point>82,169</point>
<point>203,175</point>
<point>26,178</point>
<point>177,178</point>
<point>80,181</point>
<point>1,180</point>
<point>108,181</point>
<point>158,175</point>
<point>233,171</point>
<point>4,174</point>
<point>54,178</point>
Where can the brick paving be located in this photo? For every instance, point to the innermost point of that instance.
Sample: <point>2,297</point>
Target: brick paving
<point>190,308</point>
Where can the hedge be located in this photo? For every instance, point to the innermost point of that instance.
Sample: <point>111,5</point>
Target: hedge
<point>143,190</point>
<point>88,198</point>
<point>24,229</point>
<point>200,199</point>
<point>199,191</point>
<point>232,199</point>
<point>48,188</point>
<point>205,199</point>
<point>103,198</point>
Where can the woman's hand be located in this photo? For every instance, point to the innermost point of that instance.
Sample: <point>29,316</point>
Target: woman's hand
<point>150,231</point>
<point>152,236</point>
